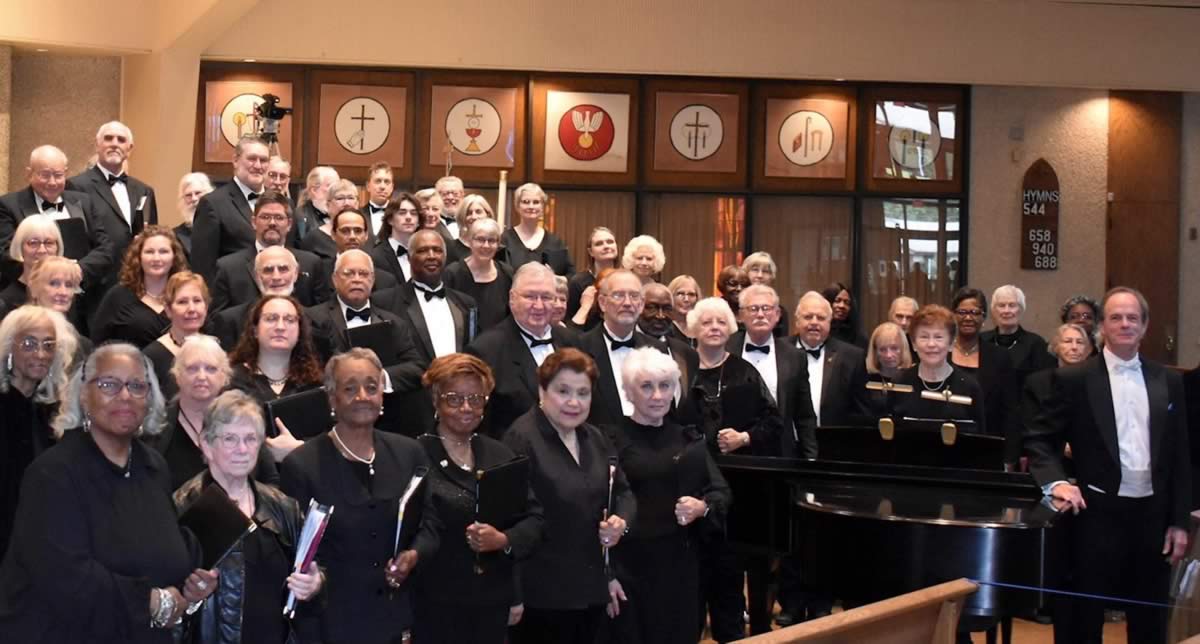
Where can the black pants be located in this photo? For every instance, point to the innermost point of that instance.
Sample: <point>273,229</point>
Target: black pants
<point>543,626</point>
<point>1118,553</point>
<point>721,589</point>
<point>796,598</point>
<point>437,622</point>
<point>661,578</point>
<point>758,601</point>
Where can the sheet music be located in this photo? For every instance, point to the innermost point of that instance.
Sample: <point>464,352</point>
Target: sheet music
<point>418,476</point>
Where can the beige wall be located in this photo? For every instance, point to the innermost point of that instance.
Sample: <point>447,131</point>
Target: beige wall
<point>5,113</point>
<point>1189,250</point>
<point>60,100</point>
<point>1069,128</point>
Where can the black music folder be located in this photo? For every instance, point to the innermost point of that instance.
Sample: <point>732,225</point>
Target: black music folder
<point>501,493</point>
<point>306,414</point>
<point>377,337</point>
<point>218,524</point>
<point>76,243</point>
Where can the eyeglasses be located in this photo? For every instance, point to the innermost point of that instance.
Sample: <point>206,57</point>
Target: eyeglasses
<point>486,241</point>
<point>1080,316</point>
<point>968,312</point>
<point>31,345</point>
<point>534,298</point>
<point>760,308</point>
<point>277,219</point>
<point>47,175</point>
<point>231,441</point>
<point>622,296</point>
<point>455,400</point>
<point>278,176</point>
<point>34,244</point>
<point>275,318</point>
<point>351,273</point>
<point>111,387</point>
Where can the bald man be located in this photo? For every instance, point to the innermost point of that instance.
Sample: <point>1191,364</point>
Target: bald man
<point>47,194</point>
<point>123,203</point>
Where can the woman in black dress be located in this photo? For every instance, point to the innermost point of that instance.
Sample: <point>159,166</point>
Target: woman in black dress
<point>187,302</point>
<point>96,554</point>
<point>481,276</point>
<point>680,494</point>
<point>887,355</point>
<point>363,472</point>
<point>565,584</point>
<point>844,325</point>
<point>992,368</point>
<point>276,357</point>
<point>1026,350</point>
<point>527,241</point>
<point>933,331</point>
<point>36,237</point>
<point>256,575</point>
<point>685,292</point>
<point>473,572</point>
<point>133,310</point>
<point>36,347</point>
<point>602,254</point>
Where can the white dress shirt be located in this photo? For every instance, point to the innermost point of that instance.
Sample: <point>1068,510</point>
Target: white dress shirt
<point>438,319</point>
<point>47,207</point>
<point>356,322</point>
<point>246,190</point>
<point>540,352</point>
<point>617,360</point>
<point>405,266</point>
<point>121,194</point>
<point>452,226</point>
<point>1131,408</point>
<point>376,217</point>
<point>816,376</point>
<point>765,363</point>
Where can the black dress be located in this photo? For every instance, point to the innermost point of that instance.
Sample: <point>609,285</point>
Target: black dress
<point>162,359</point>
<point>360,607</point>
<point>1027,351</point>
<point>122,315</point>
<point>185,460</point>
<point>259,387</point>
<point>115,537</point>
<point>959,382</point>
<point>14,295</point>
<point>564,584</point>
<point>449,586</point>
<point>183,233</point>
<point>575,288</point>
<point>491,297</point>
<point>551,252</point>
<point>25,435</point>
<point>999,389</point>
<point>657,561</point>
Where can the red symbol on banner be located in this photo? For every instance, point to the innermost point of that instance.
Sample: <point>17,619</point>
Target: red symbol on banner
<point>586,132</point>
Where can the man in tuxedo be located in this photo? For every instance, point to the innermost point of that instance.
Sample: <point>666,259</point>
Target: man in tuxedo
<point>46,194</point>
<point>350,308</point>
<point>279,177</point>
<point>610,342</point>
<point>391,251</point>
<point>442,319</point>
<point>349,228</point>
<point>236,284</point>
<point>450,189</point>
<point>1125,419</point>
<point>123,203</point>
<point>222,225</point>
<point>275,273</point>
<point>657,308</point>
<point>516,347</point>
<point>837,371</point>
<point>379,189</point>
<point>315,211</point>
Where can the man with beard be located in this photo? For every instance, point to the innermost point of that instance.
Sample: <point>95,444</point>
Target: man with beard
<point>275,273</point>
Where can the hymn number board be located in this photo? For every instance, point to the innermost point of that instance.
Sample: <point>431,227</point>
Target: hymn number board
<point>1039,218</point>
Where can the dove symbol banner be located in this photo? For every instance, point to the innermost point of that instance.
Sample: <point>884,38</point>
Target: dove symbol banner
<point>587,131</point>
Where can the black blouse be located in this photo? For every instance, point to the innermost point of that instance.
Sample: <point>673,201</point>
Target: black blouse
<point>184,458</point>
<point>259,387</point>
<point>1027,351</point>
<point>959,382</point>
<point>551,252</point>
<point>26,434</point>
<point>733,395</point>
<point>490,297</point>
<point>115,537</point>
<point>122,315</point>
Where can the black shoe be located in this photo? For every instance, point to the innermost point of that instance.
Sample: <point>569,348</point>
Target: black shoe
<point>817,614</point>
<point>785,619</point>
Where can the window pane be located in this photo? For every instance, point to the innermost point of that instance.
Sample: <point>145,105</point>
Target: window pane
<point>910,247</point>
<point>915,140</point>
<point>700,234</point>
<point>572,214</point>
<point>809,239</point>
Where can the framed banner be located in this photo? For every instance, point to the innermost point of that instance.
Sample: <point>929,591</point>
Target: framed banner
<point>360,118</point>
<point>698,130</point>
<point>228,97</point>
<point>915,139</point>
<point>473,123</point>
<point>806,139</point>
<point>585,130</point>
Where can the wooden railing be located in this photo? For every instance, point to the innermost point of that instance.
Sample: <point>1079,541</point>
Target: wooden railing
<point>926,616</point>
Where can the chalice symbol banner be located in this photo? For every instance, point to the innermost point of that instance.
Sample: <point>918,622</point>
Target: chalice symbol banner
<point>473,126</point>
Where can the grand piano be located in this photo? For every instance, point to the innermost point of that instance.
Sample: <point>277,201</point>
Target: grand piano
<point>875,518</point>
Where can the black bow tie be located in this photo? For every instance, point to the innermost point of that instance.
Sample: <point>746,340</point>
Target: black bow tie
<point>615,344</point>
<point>113,179</point>
<point>252,197</point>
<point>46,205</point>
<point>364,315</point>
<point>429,295</point>
<point>766,348</point>
<point>448,221</point>
<point>375,209</point>
<point>401,251</point>
<point>535,342</point>
<point>815,353</point>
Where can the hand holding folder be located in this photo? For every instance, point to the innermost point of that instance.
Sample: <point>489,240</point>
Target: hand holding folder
<point>311,534</point>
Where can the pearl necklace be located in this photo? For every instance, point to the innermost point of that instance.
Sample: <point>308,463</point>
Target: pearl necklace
<point>370,462</point>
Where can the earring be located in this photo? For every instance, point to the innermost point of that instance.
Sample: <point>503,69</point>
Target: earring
<point>381,410</point>
<point>87,422</point>
<point>10,362</point>
<point>332,415</point>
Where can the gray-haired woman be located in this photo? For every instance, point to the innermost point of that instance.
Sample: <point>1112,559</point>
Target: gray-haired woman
<point>256,574</point>
<point>96,554</point>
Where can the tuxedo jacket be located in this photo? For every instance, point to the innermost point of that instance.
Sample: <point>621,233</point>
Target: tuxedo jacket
<point>686,359</point>
<point>606,398</point>
<point>843,383</point>
<point>515,370</point>
<point>96,264</point>
<point>306,223</point>
<point>235,283</point>
<point>322,246</point>
<point>798,438</point>
<point>221,227</point>
<point>386,260</point>
<point>330,336</point>
<point>1080,412</point>
<point>228,324</point>
<point>306,219</point>
<point>92,183</point>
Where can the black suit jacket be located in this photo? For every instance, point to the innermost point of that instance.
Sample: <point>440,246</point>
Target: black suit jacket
<point>96,264</point>
<point>686,359</point>
<point>92,183</point>
<point>228,324</point>
<point>235,283</point>
<point>1080,412</point>
<point>221,227</point>
<point>330,336</point>
<point>799,438</point>
<point>606,399</point>
<point>386,260</point>
<point>843,383</point>
<point>506,352</point>
<point>306,219</point>
<point>328,259</point>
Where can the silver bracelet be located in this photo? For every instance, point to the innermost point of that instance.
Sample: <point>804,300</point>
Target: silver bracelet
<point>166,606</point>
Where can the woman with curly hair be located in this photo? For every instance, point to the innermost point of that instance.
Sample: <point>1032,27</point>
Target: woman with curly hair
<point>276,357</point>
<point>134,309</point>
